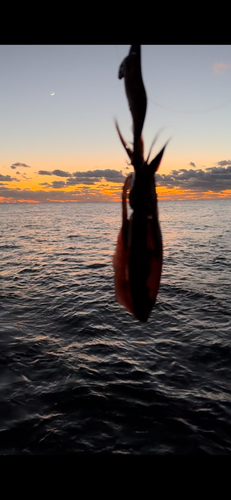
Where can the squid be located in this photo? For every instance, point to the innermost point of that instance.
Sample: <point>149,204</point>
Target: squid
<point>138,256</point>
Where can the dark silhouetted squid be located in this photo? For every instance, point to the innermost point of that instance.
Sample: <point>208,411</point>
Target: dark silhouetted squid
<point>139,252</point>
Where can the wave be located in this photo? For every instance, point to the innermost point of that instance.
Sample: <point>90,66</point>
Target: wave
<point>81,375</point>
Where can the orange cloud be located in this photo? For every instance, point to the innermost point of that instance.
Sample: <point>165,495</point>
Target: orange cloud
<point>219,68</point>
<point>99,185</point>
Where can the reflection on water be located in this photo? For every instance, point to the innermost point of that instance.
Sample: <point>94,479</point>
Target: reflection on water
<point>77,372</point>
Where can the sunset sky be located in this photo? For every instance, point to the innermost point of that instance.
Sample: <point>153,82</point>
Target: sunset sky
<point>58,103</point>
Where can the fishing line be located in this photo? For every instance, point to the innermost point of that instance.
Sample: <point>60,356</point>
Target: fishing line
<point>174,110</point>
<point>205,110</point>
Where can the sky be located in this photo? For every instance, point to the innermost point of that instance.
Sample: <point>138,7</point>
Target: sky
<point>58,104</point>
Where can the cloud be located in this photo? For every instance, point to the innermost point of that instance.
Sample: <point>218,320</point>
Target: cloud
<point>83,180</point>
<point>58,184</point>
<point>61,173</point>
<point>110,175</point>
<point>223,163</point>
<point>192,164</point>
<point>25,176</point>
<point>14,165</point>
<point>90,177</point>
<point>7,178</point>
<point>218,68</point>
<point>212,179</point>
<point>216,180</point>
<point>83,194</point>
<point>44,172</point>
<point>28,195</point>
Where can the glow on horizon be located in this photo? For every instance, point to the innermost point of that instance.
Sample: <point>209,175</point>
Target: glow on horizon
<point>101,192</point>
<point>58,105</point>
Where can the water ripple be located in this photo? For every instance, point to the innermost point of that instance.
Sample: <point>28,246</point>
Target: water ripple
<point>78,373</point>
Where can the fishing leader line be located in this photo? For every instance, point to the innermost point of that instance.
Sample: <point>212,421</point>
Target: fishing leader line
<point>174,110</point>
<point>205,110</point>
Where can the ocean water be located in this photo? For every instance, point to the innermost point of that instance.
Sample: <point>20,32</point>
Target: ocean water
<point>78,374</point>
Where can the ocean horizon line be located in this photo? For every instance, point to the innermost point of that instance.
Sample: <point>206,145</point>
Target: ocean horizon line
<point>103,202</point>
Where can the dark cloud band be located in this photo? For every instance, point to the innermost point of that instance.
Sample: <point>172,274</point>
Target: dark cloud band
<point>215,180</point>
<point>89,177</point>
<point>7,178</point>
<point>14,165</point>
<point>211,179</point>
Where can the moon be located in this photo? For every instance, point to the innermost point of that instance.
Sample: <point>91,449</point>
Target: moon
<point>52,93</point>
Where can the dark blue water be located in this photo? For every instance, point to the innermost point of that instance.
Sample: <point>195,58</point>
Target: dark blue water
<point>77,372</point>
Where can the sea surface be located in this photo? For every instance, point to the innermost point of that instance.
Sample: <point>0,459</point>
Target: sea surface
<point>78,374</point>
